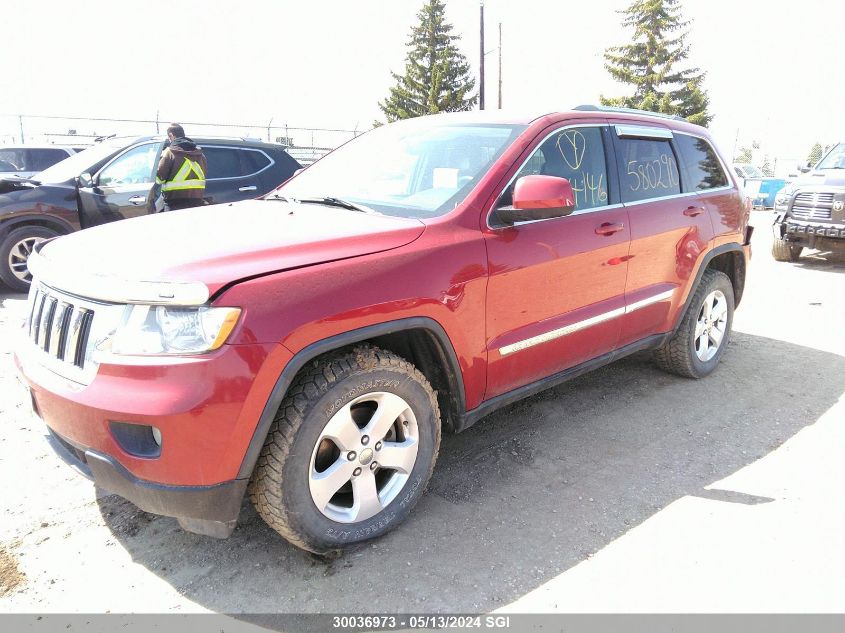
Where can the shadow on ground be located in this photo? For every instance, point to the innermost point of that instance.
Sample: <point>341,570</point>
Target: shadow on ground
<point>524,495</point>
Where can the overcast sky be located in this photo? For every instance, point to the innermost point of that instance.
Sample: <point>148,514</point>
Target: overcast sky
<point>772,74</point>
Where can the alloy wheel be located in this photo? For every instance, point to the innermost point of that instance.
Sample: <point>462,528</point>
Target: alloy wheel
<point>711,325</point>
<point>363,457</point>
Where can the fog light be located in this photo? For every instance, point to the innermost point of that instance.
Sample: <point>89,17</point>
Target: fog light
<point>138,440</point>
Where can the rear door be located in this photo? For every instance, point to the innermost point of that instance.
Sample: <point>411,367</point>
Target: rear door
<point>670,229</point>
<point>121,189</point>
<point>557,287</point>
<point>234,173</point>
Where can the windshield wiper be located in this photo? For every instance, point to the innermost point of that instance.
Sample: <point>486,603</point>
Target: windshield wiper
<point>337,202</point>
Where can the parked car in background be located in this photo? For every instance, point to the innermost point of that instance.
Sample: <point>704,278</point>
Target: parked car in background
<point>760,188</point>
<point>306,349</point>
<point>810,211</point>
<point>26,160</point>
<point>112,181</point>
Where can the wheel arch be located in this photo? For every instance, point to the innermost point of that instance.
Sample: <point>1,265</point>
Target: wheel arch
<point>420,340</point>
<point>45,221</point>
<point>728,259</point>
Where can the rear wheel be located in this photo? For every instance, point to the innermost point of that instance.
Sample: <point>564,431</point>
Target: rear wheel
<point>15,250</point>
<point>350,451</point>
<point>783,251</point>
<point>703,334</point>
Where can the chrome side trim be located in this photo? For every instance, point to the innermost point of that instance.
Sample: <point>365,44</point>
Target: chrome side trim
<point>559,332</point>
<point>580,325</point>
<point>642,131</point>
<point>642,303</point>
<point>114,289</point>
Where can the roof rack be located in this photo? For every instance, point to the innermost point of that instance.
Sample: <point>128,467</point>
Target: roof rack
<point>594,108</point>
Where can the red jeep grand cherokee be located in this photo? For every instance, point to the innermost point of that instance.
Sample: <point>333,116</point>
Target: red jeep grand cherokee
<point>307,348</point>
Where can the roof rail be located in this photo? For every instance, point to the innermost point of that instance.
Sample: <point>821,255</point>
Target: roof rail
<point>594,108</point>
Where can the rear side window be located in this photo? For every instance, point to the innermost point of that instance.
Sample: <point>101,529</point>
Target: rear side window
<point>576,154</point>
<point>32,159</point>
<point>223,162</point>
<point>232,162</point>
<point>647,168</point>
<point>41,159</point>
<point>701,164</point>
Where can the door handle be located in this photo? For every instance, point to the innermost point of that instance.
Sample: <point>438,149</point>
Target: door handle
<point>691,212</point>
<point>250,188</point>
<point>609,228</point>
<point>137,199</point>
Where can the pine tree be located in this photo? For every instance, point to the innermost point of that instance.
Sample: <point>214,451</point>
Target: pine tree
<point>815,154</point>
<point>651,61</point>
<point>766,167</point>
<point>437,76</point>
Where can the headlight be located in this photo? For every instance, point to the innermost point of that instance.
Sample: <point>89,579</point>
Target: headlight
<point>149,330</point>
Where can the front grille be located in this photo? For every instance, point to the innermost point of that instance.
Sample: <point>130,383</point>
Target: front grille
<point>813,206</point>
<point>59,327</point>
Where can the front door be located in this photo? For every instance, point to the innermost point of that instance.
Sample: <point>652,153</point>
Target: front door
<point>121,189</point>
<point>557,287</point>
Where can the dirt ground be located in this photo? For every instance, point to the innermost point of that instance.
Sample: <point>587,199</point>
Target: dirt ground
<point>626,490</point>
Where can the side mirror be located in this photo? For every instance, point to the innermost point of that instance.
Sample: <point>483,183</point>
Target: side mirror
<point>85,180</point>
<point>538,198</point>
<point>805,169</point>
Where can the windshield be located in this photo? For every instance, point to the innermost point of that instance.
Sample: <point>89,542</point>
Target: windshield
<point>419,168</point>
<point>835,159</point>
<point>749,171</point>
<point>74,165</point>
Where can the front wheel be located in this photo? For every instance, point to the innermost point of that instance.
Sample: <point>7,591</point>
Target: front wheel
<point>15,250</point>
<point>350,451</point>
<point>783,251</point>
<point>702,336</point>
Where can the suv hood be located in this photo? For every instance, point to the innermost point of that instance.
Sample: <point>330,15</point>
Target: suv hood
<point>219,244</point>
<point>821,177</point>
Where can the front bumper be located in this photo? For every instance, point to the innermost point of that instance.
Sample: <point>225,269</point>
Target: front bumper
<point>206,409</point>
<point>806,232</point>
<point>209,510</point>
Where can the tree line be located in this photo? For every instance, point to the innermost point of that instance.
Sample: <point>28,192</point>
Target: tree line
<point>437,77</point>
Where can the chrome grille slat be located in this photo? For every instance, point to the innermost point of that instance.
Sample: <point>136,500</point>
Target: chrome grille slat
<point>47,312</point>
<point>60,327</point>
<point>813,205</point>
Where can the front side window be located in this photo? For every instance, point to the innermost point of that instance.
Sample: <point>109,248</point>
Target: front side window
<point>702,166</point>
<point>132,168</point>
<point>647,168</point>
<point>420,168</point>
<point>835,158</point>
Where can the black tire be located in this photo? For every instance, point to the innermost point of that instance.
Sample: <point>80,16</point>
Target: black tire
<point>280,484</point>
<point>678,355</point>
<point>783,251</point>
<point>7,260</point>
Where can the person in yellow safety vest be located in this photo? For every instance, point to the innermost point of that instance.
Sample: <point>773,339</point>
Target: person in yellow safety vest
<point>181,171</point>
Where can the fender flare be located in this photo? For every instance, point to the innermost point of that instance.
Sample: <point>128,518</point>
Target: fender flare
<point>732,247</point>
<point>17,221</point>
<point>344,339</point>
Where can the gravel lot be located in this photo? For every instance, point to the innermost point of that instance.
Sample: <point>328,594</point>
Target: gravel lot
<point>626,490</point>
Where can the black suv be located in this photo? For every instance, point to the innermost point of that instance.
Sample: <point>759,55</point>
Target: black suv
<point>810,212</point>
<point>112,181</point>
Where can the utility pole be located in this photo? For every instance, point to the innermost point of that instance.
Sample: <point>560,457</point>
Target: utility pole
<point>20,120</point>
<point>157,128</point>
<point>481,80</point>
<point>500,65</point>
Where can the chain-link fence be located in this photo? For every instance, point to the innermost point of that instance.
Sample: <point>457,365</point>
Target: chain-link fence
<point>303,143</point>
